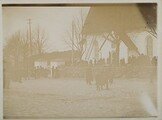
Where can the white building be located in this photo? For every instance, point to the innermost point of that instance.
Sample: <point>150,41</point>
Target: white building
<point>145,43</point>
<point>56,63</point>
<point>49,64</point>
<point>41,63</point>
<point>46,64</point>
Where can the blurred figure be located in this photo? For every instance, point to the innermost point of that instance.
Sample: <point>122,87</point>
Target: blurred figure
<point>57,72</point>
<point>53,72</point>
<point>104,77</point>
<point>89,75</point>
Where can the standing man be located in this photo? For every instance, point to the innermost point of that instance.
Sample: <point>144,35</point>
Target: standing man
<point>89,75</point>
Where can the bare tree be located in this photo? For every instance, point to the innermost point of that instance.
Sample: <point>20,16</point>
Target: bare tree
<point>14,45</point>
<point>76,40</point>
<point>17,58</point>
<point>13,57</point>
<point>39,40</point>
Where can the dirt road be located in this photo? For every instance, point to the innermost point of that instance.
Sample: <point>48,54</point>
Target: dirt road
<point>47,98</point>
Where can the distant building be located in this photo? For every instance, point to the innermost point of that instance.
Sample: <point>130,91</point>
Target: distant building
<point>144,42</point>
<point>54,60</point>
<point>56,63</point>
<point>49,64</point>
<point>41,63</point>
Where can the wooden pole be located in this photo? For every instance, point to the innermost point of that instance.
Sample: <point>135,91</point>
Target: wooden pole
<point>72,59</point>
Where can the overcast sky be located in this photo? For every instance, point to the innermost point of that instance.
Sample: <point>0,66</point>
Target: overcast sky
<point>56,21</point>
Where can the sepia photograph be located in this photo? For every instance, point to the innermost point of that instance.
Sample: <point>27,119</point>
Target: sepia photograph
<point>87,60</point>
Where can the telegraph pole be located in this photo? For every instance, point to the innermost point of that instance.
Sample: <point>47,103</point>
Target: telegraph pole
<point>30,38</point>
<point>72,42</point>
<point>30,42</point>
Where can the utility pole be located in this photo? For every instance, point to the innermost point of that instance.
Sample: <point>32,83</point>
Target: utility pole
<point>72,42</point>
<point>27,60</point>
<point>30,42</point>
<point>30,38</point>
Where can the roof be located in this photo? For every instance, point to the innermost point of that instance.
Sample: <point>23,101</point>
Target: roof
<point>121,18</point>
<point>149,12</point>
<point>113,17</point>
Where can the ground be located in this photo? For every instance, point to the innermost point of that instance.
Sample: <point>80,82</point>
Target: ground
<point>59,98</point>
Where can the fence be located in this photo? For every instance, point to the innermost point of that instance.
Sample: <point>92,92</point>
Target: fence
<point>118,72</point>
<point>80,72</point>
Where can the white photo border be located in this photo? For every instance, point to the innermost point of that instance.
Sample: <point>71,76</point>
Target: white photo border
<point>159,48</point>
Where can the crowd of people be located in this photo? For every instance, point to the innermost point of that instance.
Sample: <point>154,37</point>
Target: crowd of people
<point>142,60</point>
<point>103,76</point>
<point>41,72</point>
<point>77,69</point>
<point>136,66</point>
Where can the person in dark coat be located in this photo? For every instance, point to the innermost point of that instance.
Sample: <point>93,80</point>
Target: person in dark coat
<point>101,79</point>
<point>53,72</point>
<point>57,72</point>
<point>89,75</point>
<point>104,78</point>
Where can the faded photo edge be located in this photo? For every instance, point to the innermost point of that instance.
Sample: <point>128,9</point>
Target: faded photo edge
<point>159,26</point>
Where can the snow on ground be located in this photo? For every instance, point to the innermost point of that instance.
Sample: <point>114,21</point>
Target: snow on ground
<point>58,98</point>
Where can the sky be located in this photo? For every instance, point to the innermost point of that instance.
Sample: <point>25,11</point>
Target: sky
<point>56,21</point>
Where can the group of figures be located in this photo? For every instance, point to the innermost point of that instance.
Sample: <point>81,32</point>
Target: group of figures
<point>103,76</point>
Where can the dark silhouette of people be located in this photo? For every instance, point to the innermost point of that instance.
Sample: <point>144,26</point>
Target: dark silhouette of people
<point>57,72</point>
<point>89,75</point>
<point>53,72</point>
<point>104,77</point>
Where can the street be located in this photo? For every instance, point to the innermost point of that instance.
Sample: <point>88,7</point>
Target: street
<point>59,98</point>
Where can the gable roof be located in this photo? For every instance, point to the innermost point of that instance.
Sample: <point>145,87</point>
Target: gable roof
<point>149,12</point>
<point>113,17</point>
<point>121,18</point>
